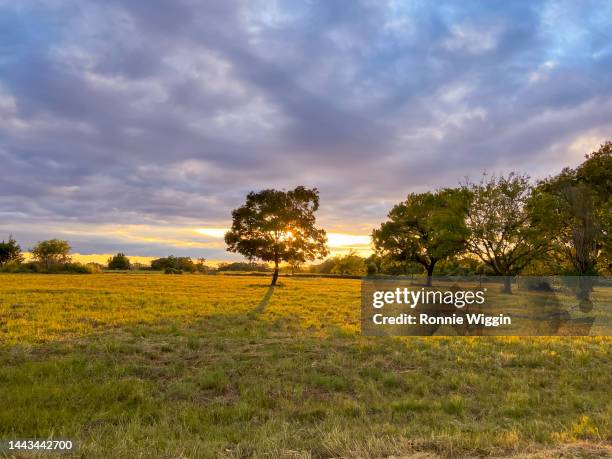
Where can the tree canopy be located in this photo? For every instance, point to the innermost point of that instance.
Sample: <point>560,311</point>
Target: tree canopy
<point>351,264</point>
<point>425,228</point>
<point>174,263</point>
<point>499,219</point>
<point>52,251</point>
<point>278,226</point>
<point>119,262</point>
<point>574,210</point>
<point>10,251</point>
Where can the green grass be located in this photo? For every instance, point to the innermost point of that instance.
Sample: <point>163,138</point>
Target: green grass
<point>194,366</point>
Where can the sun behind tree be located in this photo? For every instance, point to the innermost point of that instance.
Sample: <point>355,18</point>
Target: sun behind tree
<point>276,226</point>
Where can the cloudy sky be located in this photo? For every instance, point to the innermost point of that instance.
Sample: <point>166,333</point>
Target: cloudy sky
<point>139,125</point>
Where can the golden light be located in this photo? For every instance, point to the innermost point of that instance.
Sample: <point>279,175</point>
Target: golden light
<point>212,232</point>
<point>339,243</point>
<point>347,240</point>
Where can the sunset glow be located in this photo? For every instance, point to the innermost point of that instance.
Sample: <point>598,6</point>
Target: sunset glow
<point>339,243</point>
<point>212,232</point>
<point>122,138</point>
<point>334,240</point>
<point>356,241</point>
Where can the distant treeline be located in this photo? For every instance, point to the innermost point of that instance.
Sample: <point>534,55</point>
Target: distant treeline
<point>502,225</point>
<point>53,256</point>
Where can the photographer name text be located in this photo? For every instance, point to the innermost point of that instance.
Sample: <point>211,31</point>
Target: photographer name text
<point>431,300</point>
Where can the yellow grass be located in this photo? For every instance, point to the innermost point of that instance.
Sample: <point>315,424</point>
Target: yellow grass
<point>153,365</point>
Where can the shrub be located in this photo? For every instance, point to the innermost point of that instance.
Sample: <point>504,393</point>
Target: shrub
<point>74,268</point>
<point>351,264</point>
<point>119,262</point>
<point>140,267</point>
<point>54,268</point>
<point>173,271</point>
<point>537,284</point>
<point>57,268</point>
<point>244,266</point>
<point>172,262</point>
<point>94,268</point>
<point>15,267</point>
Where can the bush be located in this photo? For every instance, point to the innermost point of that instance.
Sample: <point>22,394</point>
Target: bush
<point>176,263</point>
<point>29,267</point>
<point>119,262</point>
<point>537,284</point>
<point>94,268</point>
<point>16,267</point>
<point>69,268</point>
<point>351,264</point>
<point>173,271</point>
<point>244,267</point>
<point>140,267</point>
<point>55,268</point>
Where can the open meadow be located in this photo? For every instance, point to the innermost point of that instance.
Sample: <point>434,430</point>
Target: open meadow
<point>151,365</point>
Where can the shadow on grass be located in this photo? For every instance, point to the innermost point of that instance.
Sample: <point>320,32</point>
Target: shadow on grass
<point>264,301</point>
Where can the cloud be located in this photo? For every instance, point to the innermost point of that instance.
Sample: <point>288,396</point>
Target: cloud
<point>166,113</point>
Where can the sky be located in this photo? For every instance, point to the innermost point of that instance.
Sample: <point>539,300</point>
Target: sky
<point>137,126</point>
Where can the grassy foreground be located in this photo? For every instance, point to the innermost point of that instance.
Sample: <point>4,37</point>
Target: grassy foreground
<point>213,366</point>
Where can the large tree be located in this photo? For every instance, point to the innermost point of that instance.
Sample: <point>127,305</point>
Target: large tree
<point>499,219</point>
<point>278,226</point>
<point>52,251</point>
<point>574,210</point>
<point>425,228</point>
<point>596,174</point>
<point>10,251</point>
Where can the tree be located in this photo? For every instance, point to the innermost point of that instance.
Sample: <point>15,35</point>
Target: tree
<point>174,263</point>
<point>425,229</point>
<point>564,210</point>
<point>51,252</point>
<point>351,264</point>
<point>159,264</point>
<point>10,251</point>
<point>574,210</point>
<point>276,226</point>
<point>295,266</point>
<point>596,173</point>
<point>500,223</point>
<point>119,262</point>
<point>200,265</point>
<point>325,267</point>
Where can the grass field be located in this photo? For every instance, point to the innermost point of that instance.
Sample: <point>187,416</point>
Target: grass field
<point>213,366</point>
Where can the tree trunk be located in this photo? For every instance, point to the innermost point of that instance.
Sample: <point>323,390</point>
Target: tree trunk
<point>585,287</point>
<point>275,275</point>
<point>507,285</point>
<point>430,270</point>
